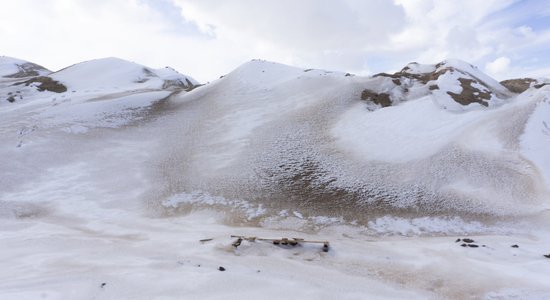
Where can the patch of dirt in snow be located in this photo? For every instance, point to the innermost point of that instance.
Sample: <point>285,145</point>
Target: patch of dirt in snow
<point>44,83</point>
<point>470,94</point>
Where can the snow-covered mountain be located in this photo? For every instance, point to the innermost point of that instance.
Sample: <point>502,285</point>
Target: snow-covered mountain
<point>116,170</point>
<point>455,85</point>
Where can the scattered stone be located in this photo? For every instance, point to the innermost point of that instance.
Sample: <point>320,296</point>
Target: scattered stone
<point>205,240</point>
<point>473,245</point>
<point>514,246</point>
<point>547,255</point>
<point>464,245</point>
<point>458,240</point>
<point>468,240</point>
<point>221,269</point>
<point>382,99</point>
<point>103,284</point>
<point>237,243</point>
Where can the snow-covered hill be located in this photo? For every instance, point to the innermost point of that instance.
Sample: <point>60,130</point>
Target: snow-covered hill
<point>76,97</point>
<point>112,172</point>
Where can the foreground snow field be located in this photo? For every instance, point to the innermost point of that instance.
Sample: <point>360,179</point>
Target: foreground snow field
<point>108,187</point>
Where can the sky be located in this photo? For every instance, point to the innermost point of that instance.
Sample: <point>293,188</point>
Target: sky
<point>209,38</point>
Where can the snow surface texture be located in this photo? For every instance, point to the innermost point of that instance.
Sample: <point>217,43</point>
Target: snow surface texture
<point>106,191</point>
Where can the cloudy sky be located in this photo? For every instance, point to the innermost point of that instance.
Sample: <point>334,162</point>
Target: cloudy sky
<point>209,38</point>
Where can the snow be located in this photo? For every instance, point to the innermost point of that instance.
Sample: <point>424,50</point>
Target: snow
<point>476,73</point>
<point>416,68</point>
<point>107,194</point>
<point>396,134</point>
<point>535,141</point>
<point>8,65</point>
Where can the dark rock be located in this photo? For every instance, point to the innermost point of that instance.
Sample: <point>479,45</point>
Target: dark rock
<point>103,284</point>
<point>518,85</point>
<point>467,240</point>
<point>473,245</point>
<point>381,99</point>
<point>514,246</point>
<point>547,255</point>
<point>457,240</point>
<point>464,245</point>
<point>221,268</point>
<point>237,243</point>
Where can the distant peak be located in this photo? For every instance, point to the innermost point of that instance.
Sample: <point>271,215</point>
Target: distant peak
<point>11,67</point>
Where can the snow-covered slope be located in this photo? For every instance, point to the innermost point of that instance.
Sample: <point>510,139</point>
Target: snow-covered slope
<point>112,172</point>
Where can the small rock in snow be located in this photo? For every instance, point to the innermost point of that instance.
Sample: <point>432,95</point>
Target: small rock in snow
<point>514,246</point>
<point>221,268</point>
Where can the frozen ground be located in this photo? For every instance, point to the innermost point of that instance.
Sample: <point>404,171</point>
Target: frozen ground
<point>106,194</point>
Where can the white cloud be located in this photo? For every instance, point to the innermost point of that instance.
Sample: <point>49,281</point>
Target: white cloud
<point>498,66</point>
<point>306,32</point>
<point>209,38</point>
